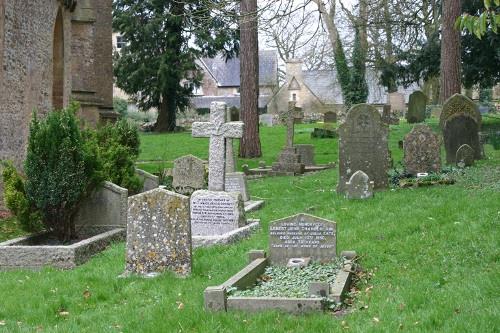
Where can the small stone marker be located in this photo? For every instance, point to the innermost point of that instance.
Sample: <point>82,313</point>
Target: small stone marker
<point>302,236</point>
<point>158,233</point>
<point>460,121</point>
<point>363,146</point>
<point>216,213</point>
<point>416,107</point>
<point>359,186</point>
<point>306,153</point>
<point>397,102</point>
<point>189,174</point>
<point>237,182</point>
<point>329,117</point>
<point>465,156</point>
<point>422,152</point>
<point>218,130</point>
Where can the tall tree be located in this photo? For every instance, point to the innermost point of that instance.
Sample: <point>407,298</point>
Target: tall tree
<point>249,86</point>
<point>450,50</point>
<point>164,39</point>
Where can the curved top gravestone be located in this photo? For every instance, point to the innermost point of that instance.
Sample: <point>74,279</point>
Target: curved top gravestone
<point>422,150</point>
<point>363,146</point>
<point>459,105</point>
<point>465,156</point>
<point>359,186</point>
<point>416,107</point>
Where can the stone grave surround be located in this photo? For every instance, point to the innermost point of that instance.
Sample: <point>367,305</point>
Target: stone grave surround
<point>189,174</point>
<point>363,145</point>
<point>150,181</point>
<point>461,121</point>
<point>359,186</point>
<point>422,151</point>
<point>416,107</point>
<point>302,236</point>
<point>158,233</point>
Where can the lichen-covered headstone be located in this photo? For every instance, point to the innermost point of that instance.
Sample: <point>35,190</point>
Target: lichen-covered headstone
<point>465,156</point>
<point>216,212</point>
<point>158,233</point>
<point>461,122</point>
<point>189,174</point>
<point>363,146</point>
<point>237,182</point>
<point>302,236</point>
<point>359,186</point>
<point>416,107</point>
<point>422,152</point>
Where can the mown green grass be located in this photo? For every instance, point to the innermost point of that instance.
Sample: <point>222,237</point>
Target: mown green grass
<point>433,254</point>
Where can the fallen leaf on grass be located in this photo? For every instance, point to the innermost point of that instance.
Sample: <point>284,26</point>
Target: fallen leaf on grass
<point>2,323</point>
<point>376,320</point>
<point>86,294</point>
<point>180,305</point>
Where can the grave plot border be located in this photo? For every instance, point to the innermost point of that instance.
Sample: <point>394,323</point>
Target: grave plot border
<point>227,238</point>
<point>216,298</point>
<point>16,256</point>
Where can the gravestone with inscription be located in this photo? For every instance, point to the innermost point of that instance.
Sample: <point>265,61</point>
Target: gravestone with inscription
<point>461,122</point>
<point>216,212</point>
<point>359,186</point>
<point>189,175</point>
<point>302,236</point>
<point>465,156</point>
<point>363,146</point>
<point>158,233</point>
<point>422,151</point>
<point>237,182</point>
<point>289,160</point>
<point>416,107</point>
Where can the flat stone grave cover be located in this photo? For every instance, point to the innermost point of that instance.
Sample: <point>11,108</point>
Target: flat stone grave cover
<point>363,145</point>
<point>302,236</point>
<point>422,151</point>
<point>158,233</point>
<point>359,186</point>
<point>237,182</point>
<point>189,174</point>
<point>216,213</point>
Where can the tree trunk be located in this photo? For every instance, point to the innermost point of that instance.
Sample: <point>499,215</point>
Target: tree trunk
<point>249,87</point>
<point>166,115</point>
<point>450,50</point>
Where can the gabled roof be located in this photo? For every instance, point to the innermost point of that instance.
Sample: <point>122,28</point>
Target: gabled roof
<point>227,73</point>
<point>204,102</point>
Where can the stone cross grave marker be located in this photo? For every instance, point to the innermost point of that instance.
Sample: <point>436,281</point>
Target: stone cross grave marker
<point>217,130</point>
<point>288,118</point>
<point>359,186</point>
<point>158,233</point>
<point>302,236</point>
<point>460,121</point>
<point>363,146</point>
<point>422,153</point>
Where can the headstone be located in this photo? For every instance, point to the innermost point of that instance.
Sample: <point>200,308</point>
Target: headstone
<point>359,186</point>
<point>234,114</point>
<point>388,116</point>
<point>329,117</point>
<point>216,213</point>
<point>218,130</point>
<point>288,159</point>
<point>422,150</point>
<point>302,236</point>
<point>306,153</point>
<point>436,111</point>
<point>267,119</point>
<point>105,207</point>
<point>189,175</point>
<point>158,233</point>
<point>397,102</point>
<point>416,107</point>
<point>150,181</point>
<point>363,146</point>
<point>461,122</point>
<point>237,182</point>
<point>465,156</point>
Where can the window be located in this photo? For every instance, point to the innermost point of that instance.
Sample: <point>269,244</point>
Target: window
<point>294,97</point>
<point>120,42</point>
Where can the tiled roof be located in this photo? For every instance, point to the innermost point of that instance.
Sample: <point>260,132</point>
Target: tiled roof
<point>227,73</point>
<point>203,102</point>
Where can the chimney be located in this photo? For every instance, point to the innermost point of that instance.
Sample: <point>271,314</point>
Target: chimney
<point>294,69</point>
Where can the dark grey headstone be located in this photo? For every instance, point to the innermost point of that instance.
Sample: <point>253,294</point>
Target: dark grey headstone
<point>302,236</point>
<point>422,151</point>
<point>158,233</point>
<point>465,156</point>
<point>416,107</point>
<point>306,153</point>
<point>330,117</point>
<point>461,122</point>
<point>363,146</point>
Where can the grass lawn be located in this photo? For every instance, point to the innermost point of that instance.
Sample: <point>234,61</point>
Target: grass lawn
<point>431,255</point>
